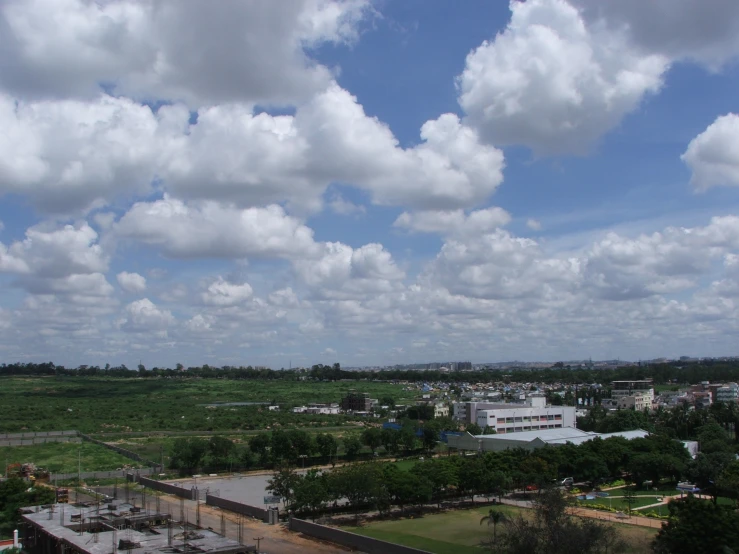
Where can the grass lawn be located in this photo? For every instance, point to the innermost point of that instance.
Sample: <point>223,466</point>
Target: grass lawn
<point>62,457</point>
<point>459,532</point>
<point>619,504</point>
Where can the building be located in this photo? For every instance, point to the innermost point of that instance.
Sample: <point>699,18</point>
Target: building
<point>356,402</point>
<point>630,388</point>
<point>88,529</point>
<point>727,393</point>
<point>531,440</point>
<point>532,415</point>
<point>441,409</point>
<point>638,402</point>
<point>320,409</point>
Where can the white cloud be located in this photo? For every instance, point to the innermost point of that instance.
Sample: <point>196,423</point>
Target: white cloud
<point>209,229</point>
<point>553,82</point>
<point>223,293</point>
<point>131,282</point>
<point>143,316</point>
<point>342,272</point>
<point>233,51</point>
<point>71,155</point>
<point>533,224</point>
<point>713,156</point>
<point>454,222</point>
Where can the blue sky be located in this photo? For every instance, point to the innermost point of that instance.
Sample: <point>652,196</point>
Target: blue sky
<point>369,182</point>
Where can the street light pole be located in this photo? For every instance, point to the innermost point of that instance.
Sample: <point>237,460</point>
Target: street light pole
<point>259,540</point>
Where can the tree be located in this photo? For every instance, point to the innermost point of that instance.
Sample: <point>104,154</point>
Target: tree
<point>630,497</point>
<point>390,440</point>
<point>429,438</point>
<point>259,444</point>
<point>15,494</point>
<point>327,446</point>
<point>283,483</point>
<point>372,438</point>
<point>352,446</point>
<point>698,527</point>
<point>552,530</point>
<point>188,453</point>
<point>728,481</point>
<point>220,450</point>
<point>474,429</point>
<point>493,518</point>
<point>310,491</point>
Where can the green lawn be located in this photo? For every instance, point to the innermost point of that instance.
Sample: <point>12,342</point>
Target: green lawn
<point>62,457</point>
<point>459,532</point>
<point>619,504</point>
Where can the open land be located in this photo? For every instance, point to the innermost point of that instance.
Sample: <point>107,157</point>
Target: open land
<point>66,457</point>
<point>103,405</point>
<point>459,532</point>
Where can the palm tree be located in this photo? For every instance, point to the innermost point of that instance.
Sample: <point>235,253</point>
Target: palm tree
<point>493,518</point>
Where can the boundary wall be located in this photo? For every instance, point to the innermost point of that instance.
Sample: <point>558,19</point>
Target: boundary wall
<point>352,540</point>
<point>167,488</point>
<point>237,507</point>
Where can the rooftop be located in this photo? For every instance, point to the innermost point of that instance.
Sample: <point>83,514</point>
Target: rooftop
<point>561,436</point>
<point>93,530</point>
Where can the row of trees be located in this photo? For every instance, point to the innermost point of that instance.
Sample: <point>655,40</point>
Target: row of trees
<point>14,494</point>
<point>677,372</point>
<point>297,447</point>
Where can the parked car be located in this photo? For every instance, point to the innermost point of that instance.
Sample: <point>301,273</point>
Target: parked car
<point>567,482</point>
<point>532,487</point>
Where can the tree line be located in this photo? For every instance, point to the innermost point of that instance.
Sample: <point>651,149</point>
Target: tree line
<point>678,372</point>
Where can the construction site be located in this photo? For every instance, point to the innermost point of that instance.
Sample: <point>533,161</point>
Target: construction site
<point>92,528</point>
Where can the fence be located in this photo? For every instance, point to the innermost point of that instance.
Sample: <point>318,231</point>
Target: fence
<point>40,437</point>
<point>351,540</point>
<point>121,473</point>
<point>237,507</point>
<point>122,451</point>
<point>167,488</point>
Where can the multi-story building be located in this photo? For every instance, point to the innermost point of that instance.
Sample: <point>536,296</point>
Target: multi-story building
<point>727,393</point>
<point>532,415</point>
<point>638,402</point>
<point>630,388</point>
<point>356,402</point>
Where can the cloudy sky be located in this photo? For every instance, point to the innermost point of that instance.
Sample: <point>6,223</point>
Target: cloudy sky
<point>368,182</point>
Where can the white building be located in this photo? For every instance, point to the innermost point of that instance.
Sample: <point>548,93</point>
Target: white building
<point>728,393</point>
<point>531,416</point>
<point>322,409</point>
<point>637,402</point>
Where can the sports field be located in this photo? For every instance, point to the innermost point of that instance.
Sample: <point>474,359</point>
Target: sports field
<point>459,532</point>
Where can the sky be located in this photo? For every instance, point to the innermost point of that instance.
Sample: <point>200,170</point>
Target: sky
<point>369,182</point>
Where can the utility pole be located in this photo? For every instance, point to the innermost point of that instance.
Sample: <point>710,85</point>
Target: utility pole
<point>258,539</point>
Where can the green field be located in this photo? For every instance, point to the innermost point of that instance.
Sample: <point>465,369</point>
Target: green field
<point>99,405</point>
<point>63,457</point>
<point>459,532</point>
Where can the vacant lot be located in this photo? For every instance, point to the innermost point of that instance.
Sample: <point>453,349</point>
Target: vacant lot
<point>459,532</point>
<point>97,405</point>
<point>63,457</point>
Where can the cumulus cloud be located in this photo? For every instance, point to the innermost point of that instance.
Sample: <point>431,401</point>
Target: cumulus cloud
<point>533,224</point>
<point>342,206</point>
<point>69,47</point>
<point>143,316</point>
<point>343,272</point>
<point>553,82</point>
<point>223,293</point>
<point>713,156</point>
<point>131,282</point>
<point>454,222</point>
<point>209,229</point>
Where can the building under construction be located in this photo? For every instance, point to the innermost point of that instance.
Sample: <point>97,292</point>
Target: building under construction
<point>117,528</point>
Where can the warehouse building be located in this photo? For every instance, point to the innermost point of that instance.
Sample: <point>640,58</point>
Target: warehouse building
<point>531,440</point>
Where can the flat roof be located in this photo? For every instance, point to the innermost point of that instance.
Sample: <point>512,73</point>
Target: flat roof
<point>61,526</point>
<point>561,436</point>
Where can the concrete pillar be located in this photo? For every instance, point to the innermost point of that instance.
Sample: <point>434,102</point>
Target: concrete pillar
<point>15,538</point>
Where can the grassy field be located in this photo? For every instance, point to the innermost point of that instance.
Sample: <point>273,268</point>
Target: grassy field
<point>459,532</point>
<point>95,405</point>
<point>62,457</point>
